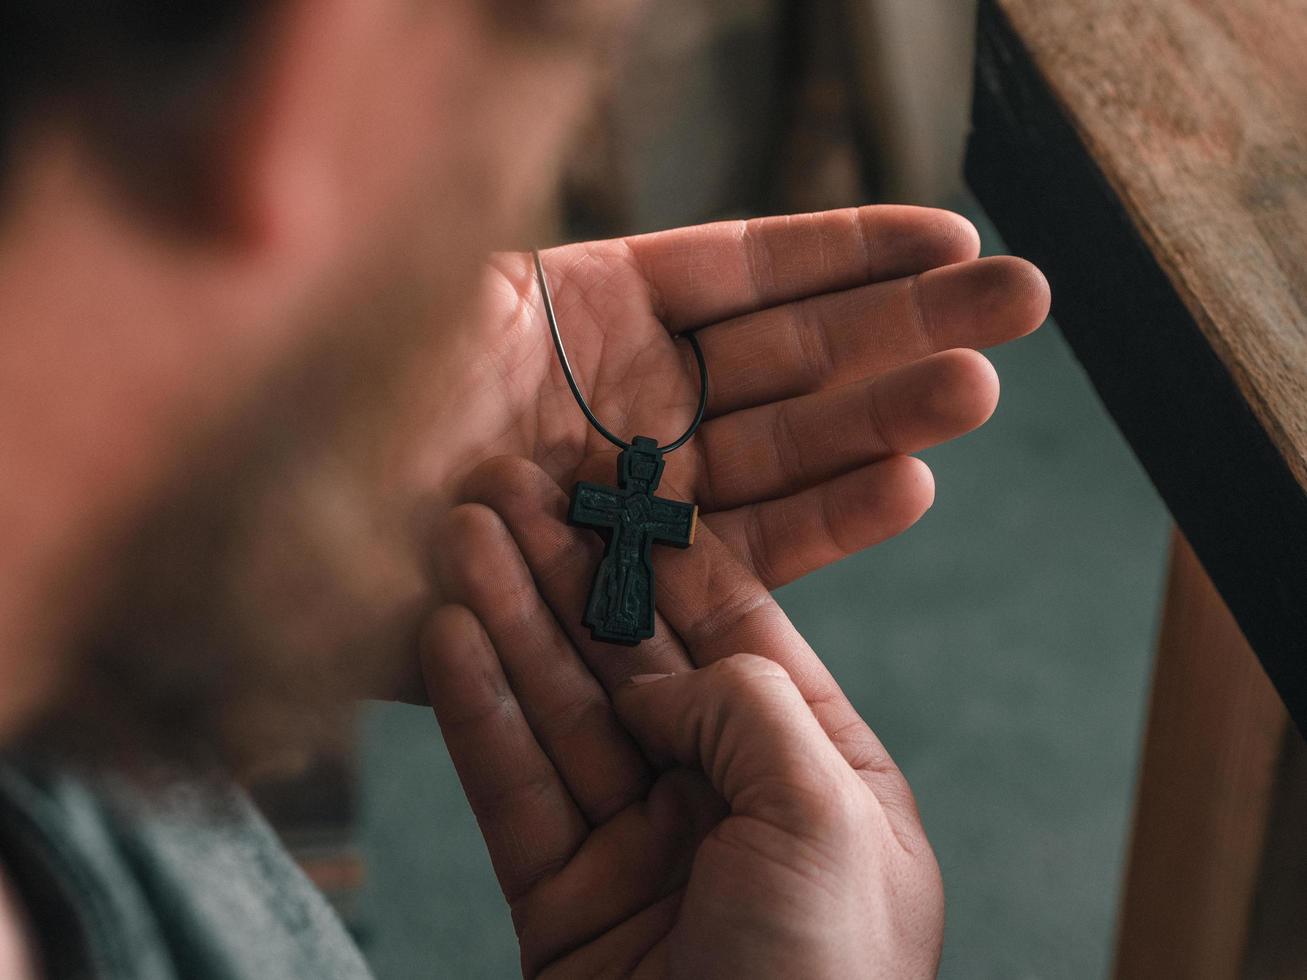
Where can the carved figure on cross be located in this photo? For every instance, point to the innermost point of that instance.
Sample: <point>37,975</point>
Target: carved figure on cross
<point>621,604</point>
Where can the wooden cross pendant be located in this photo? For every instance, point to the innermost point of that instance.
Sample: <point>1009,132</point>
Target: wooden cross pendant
<point>621,606</point>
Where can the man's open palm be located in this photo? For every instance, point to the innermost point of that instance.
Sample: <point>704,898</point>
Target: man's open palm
<point>836,343</point>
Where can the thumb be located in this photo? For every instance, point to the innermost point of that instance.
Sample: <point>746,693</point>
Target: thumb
<point>745,724</point>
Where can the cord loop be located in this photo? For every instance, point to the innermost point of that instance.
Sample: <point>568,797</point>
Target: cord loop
<point>580,398</point>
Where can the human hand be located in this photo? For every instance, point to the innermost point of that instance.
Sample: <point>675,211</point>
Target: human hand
<point>733,819</point>
<point>836,344</point>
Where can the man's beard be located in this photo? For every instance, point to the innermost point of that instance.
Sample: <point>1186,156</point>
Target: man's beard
<point>278,582</point>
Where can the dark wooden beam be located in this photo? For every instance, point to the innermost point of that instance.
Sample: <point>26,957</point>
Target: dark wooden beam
<point>1223,477</point>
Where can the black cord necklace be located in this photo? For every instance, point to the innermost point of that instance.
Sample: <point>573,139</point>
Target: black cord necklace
<point>621,604</point>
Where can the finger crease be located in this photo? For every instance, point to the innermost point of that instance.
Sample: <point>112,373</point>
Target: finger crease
<point>785,441</point>
<point>532,878</point>
<point>864,240</point>
<point>814,351</point>
<point>759,555</point>
<point>705,476</point>
<point>876,419</point>
<point>503,706</point>
<point>657,305</point>
<point>827,524</point>
<point>917,311</point>
<point>488,806</point>
<point>748,240</point>
<point>742,603</point>
<point>568,716</point>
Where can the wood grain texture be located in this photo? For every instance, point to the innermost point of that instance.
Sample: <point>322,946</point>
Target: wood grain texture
<point>1128,148</point>
<point>1196,113</point>
<point>1206,787</point>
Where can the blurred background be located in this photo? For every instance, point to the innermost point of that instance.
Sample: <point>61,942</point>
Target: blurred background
<point>1000,649</point>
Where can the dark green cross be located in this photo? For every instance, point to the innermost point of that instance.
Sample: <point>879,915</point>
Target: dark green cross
<point>621,606</point>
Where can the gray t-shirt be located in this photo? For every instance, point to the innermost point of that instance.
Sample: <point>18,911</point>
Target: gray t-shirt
<point>184,883</point>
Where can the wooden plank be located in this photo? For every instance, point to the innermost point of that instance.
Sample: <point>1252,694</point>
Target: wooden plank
<point>1206,786</point>
<point>1105,145</point>
<point>1196,113</point>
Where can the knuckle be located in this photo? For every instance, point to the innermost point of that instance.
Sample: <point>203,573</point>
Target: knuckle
<point>502,480</point>
<point>841,809</point>
<point>817,806</point>
<point>454,541</point>
<point>514,474</point>
<point>483,569</point>
<point>469,525</point>
<point>846,806</point>
<point>472,531</point>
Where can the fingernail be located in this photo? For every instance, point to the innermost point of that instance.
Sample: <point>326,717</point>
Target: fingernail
<point>640,679</point>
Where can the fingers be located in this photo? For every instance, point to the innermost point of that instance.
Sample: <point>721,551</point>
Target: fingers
<point>635,861</point>
<point>707,273</point>
<point>783,540</point>
<point>746,725</point>
<point>839,337</point>
<point>776,449</point>
<point>528,819</point>
<point>635,948</point>
<point>479,566</point>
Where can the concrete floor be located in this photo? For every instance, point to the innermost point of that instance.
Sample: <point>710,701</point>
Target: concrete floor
<point>1001,650</point>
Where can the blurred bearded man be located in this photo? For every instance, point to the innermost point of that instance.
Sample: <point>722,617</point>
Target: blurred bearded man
<point>279,432</point>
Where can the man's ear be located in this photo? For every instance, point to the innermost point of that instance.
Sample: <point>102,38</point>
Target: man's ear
<point>278,179</point>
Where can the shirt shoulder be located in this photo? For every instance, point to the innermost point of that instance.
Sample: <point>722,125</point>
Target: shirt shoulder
<point>184,882</point>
